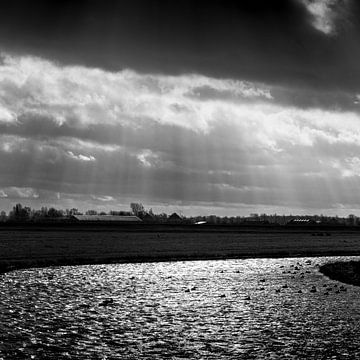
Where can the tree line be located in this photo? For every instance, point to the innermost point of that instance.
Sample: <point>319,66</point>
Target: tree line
<point>20,213</point>
<point>23,213</point>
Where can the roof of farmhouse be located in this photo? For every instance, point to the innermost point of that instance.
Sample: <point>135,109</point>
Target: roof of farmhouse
<point>118,218</point>
<point>175,216</point>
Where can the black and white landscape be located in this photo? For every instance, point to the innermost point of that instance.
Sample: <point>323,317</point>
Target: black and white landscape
<point>179,179</point>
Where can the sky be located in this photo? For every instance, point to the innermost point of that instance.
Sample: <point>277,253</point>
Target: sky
<point>199,107</point>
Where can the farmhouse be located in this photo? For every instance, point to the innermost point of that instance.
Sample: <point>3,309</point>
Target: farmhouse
<point>106,218</point>
<point>175,219</point>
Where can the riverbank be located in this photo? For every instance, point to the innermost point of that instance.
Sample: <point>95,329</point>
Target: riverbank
<point>39,247</point>
<point>346,272</point>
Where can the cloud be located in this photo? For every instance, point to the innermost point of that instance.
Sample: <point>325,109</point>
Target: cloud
<point>326,13</point>
<point>18,192</point>
<point>6,115</point>
<point>39,88</point>
<point>81,157</point>
<point>105,138</point>
<point>105,198</point>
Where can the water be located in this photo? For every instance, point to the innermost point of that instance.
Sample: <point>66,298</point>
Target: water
<point>233,309</point>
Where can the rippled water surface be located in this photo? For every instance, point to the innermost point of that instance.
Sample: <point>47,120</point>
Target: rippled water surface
<point>232,309</point>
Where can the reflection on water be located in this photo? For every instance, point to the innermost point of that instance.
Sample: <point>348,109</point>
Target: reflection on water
<point>232,309</point>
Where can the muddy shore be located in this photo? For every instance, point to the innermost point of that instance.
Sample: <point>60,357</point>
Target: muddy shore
<point>346,272</point>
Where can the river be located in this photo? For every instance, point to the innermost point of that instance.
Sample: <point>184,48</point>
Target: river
<point>228,309</point>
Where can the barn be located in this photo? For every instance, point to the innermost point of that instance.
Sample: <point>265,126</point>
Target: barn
<point>106,218</point>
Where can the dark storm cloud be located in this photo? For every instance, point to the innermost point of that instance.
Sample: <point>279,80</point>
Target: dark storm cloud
<point>270,41</point>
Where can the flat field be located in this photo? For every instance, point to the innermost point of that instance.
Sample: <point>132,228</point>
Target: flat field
<point>43,246</point>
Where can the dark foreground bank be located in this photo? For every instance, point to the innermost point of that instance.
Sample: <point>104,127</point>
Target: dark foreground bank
<point>346,272</point>
<point>28,247</point>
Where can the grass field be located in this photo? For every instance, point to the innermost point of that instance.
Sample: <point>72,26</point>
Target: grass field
<point>31,246</point>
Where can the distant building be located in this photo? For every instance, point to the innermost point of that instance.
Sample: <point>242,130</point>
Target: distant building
<point>200,223</point>
<point>352,220</point>
<point>147,217</point>
<point>212,219</point>
<point>175,219</point>
<point>301,221</point>
<point>106,218</point>
<point>253,219</point>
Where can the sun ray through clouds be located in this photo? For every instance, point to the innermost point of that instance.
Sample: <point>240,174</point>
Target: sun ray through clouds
<point>187,138</point>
